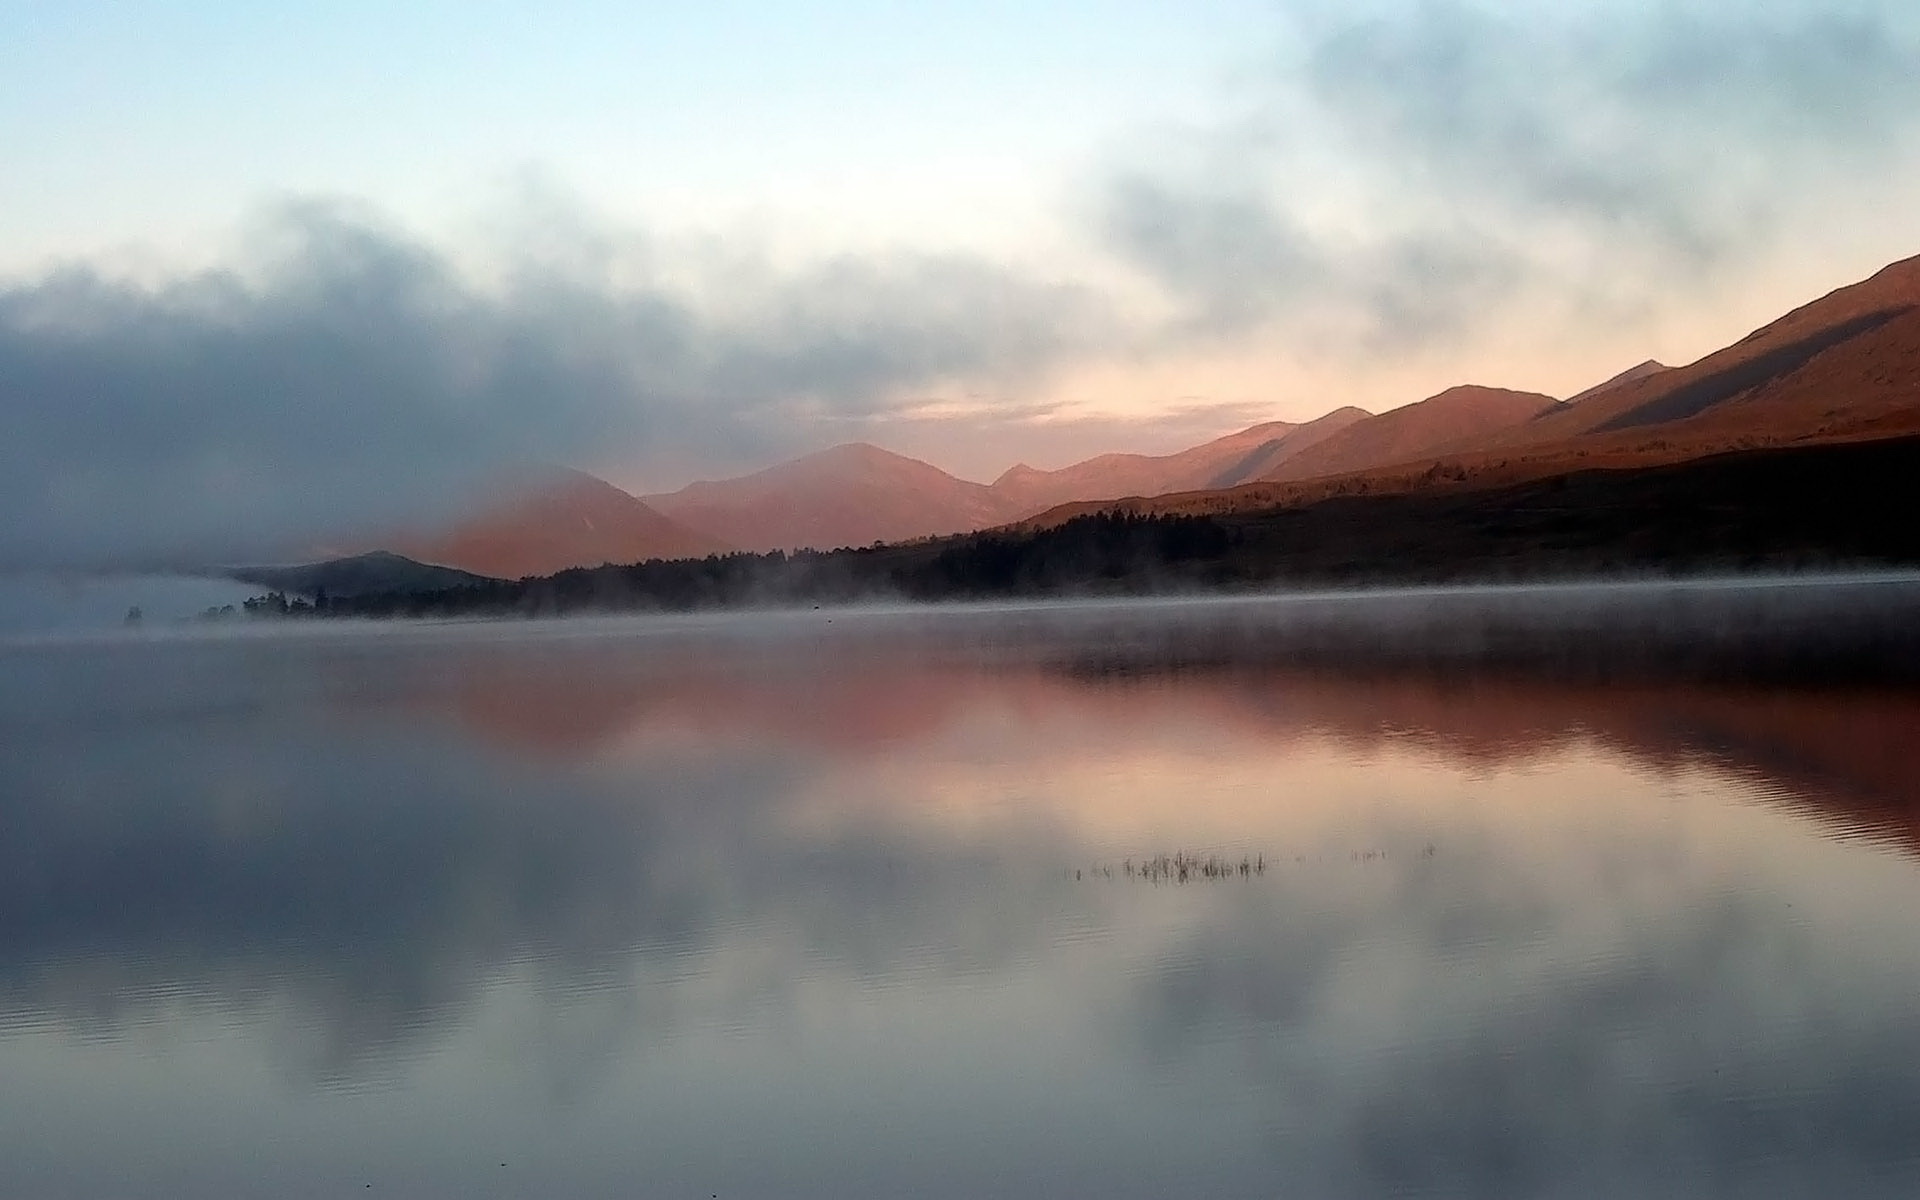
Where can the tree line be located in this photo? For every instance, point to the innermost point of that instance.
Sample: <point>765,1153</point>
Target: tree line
<point>1104,552</point>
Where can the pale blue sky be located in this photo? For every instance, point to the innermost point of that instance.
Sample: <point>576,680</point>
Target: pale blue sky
<point>935,120</point>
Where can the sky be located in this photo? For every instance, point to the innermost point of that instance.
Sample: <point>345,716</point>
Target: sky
<point>270,270</point>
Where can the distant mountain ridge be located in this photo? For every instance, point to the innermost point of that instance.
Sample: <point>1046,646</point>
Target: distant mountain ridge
<point>1218,463</point>
<point>1133,474</point>
<point>856,494</point>
<point>850,495</point>
<point>573,519</point>
<point>1848,360</point>
<point>1272,455</point>
<point>1845,366</point>
<point>1415,431</point>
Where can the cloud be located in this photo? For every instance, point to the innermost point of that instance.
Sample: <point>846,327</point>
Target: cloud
<point>346,375</point>
<point>1409,174</point>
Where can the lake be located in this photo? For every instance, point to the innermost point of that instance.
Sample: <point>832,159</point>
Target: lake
<point>1561,892</point>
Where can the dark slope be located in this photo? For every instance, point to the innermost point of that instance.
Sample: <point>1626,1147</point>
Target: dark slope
<point>360,575</point>
<point>1842,505</point>
<point>1633,374</point>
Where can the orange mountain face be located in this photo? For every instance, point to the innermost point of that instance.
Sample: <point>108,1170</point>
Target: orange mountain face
<point>1847,362</point>
<point>857,494</point>
<point>1222,462</point>
<point>576,520</point>
<point>1276,454</point>
<point>851,495</point>
<point>1845,367</point>
<point>1632,374</point>
<point>1114,475</point>
<point>1456,416</point>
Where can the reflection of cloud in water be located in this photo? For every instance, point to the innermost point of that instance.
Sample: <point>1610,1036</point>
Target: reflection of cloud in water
<point>663,832</point>
<point>382,875</point>
<point>1614,1028</point>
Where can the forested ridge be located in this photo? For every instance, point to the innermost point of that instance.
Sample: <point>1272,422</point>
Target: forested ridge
<point>1830,506</point>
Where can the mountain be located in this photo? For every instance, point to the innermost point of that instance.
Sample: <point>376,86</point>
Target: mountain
<point>857,494</point>
<point>571,520</point>
<point>1847,364</point>
<point>1275,454</point>
<point>1114,475</point>
<point>1455,416</point>
<point>1845,367</point>
<point>1815,507</point>
<point>371,574</point>
<point>850,495</point>
<point>1630,375</point>
<point>1221,462</point>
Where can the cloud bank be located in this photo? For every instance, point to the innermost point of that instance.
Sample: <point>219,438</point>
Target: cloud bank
<point>1403,174</point>
<point>351,376</point>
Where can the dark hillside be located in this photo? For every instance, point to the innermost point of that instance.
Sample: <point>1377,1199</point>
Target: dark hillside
<point>361,575</point>
<point>1846,505</point>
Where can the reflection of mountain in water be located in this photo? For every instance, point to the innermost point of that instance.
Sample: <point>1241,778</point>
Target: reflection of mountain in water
<point>1843,754</point>
<point>374,831</point>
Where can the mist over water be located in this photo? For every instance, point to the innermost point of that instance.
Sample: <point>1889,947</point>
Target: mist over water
<point>839,903</point>
<point>40,603</point>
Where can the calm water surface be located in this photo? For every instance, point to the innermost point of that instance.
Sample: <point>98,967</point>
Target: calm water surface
<point>838,905</point>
